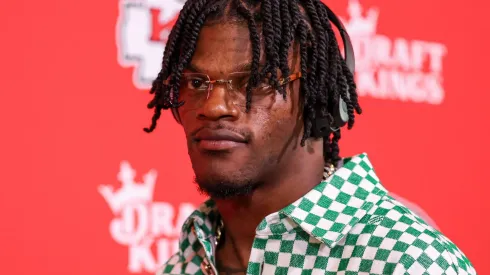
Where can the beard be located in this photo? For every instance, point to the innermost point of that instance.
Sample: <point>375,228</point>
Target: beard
<point>225,175</point>
<point>225,189</point>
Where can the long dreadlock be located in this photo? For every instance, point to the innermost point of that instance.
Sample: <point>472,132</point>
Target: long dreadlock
<point>325,75</point>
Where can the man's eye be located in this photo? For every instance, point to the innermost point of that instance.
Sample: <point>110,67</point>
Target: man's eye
<point>265,83</point>
<point>196,84</point>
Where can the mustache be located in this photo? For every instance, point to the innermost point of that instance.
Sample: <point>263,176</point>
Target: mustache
<point>221,126</point>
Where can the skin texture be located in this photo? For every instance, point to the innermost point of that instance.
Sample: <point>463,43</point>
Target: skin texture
<point>271,170</point>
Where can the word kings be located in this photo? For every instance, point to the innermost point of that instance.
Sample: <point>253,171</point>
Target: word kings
<point>399,69</point>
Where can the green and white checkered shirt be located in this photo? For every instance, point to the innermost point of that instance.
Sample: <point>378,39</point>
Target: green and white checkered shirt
<point>348,224</point>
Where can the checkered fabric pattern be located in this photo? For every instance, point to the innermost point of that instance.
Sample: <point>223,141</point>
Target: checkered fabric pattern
<point>348,224</point>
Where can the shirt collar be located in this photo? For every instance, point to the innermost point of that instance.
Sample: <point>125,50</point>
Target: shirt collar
<point>328,212</point>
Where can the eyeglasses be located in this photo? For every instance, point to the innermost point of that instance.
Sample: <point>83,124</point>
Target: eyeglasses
<point>195,88</point>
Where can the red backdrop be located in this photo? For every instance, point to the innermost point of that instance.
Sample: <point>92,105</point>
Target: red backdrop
<point>73,90</point>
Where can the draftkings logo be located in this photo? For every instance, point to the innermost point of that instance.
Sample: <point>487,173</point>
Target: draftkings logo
<point>149,229</point>
<point>394,68</point>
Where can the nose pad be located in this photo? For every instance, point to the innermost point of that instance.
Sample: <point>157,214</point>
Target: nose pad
<point>210,88</point>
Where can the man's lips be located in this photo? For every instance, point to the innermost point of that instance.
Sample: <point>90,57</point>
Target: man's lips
<point>217,140</point>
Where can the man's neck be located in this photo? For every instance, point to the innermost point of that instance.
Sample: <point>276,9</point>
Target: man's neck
<point>242,215</point>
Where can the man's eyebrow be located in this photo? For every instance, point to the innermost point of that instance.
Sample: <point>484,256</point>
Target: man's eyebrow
<point>246,67</point>
<point>194,68</point>
<point>243,67</point>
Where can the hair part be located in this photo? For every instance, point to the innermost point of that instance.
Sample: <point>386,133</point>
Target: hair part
<point>325,75</point>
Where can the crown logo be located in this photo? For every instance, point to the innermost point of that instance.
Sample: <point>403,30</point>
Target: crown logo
<point>130,192</point>
<point>360,25</point>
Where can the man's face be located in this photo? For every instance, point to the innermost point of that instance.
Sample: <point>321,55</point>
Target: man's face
<point>233,151</point>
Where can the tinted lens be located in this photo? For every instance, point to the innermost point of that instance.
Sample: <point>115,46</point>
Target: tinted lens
<point>239,81</point>
<point>193,89</point>
<point>195,82</point>
<point>262,94</point>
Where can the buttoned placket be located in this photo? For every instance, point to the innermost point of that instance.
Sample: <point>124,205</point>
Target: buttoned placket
<point>209,269</point>
<point>206,266</point>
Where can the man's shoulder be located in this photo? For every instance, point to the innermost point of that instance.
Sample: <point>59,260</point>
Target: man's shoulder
<point>396,240</point>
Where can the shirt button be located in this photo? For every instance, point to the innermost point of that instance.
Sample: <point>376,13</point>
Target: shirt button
<point>207,268</point>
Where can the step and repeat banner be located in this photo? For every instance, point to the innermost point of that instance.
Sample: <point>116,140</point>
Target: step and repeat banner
<point>86,191</point>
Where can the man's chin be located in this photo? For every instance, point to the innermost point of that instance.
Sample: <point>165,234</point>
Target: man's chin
<point>225,189</point>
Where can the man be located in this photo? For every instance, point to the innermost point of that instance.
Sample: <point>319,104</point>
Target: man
<point>257,87</point>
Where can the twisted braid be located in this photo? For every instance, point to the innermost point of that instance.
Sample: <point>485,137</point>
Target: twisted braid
<point>268,30</point>
<point>287,38</point>
<point>309,109</point>
<point>255,39</point>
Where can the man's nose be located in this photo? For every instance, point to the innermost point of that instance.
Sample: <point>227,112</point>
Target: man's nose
<point>218,105</point>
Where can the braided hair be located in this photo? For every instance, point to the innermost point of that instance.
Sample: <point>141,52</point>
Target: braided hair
<point>325,75</point>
